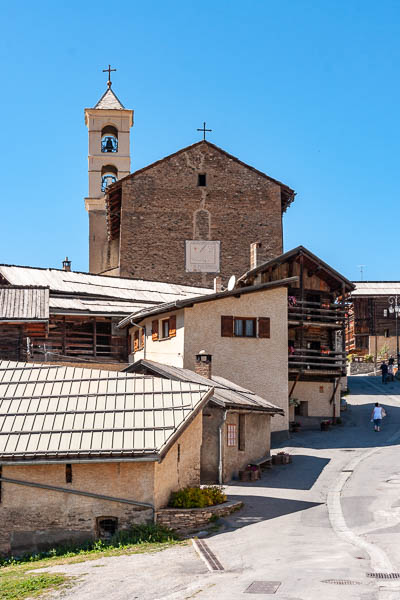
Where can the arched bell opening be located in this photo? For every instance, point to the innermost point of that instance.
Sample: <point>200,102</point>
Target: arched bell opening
<point>109,175</point>
<point>109,139</point>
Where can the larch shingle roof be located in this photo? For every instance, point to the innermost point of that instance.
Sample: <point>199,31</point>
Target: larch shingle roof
<point>62,413</point>
<point>24,303</point>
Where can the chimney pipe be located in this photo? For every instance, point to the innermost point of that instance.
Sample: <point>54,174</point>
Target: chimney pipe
<point>255,254</point>
<point>66,264</point>
<point>203,364</point>
<point>217,284</point>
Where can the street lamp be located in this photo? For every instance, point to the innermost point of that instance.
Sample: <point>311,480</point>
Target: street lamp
<point>394,307</point>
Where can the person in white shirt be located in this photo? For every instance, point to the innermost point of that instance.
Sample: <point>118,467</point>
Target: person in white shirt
<point>378,412</point>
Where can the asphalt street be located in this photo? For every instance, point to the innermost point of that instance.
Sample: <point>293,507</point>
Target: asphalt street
<point>314,528</point>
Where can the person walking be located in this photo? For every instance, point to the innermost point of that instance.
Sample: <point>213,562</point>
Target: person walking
<point>384,369</point>
<point>378,412</point>
<point>390,371</point>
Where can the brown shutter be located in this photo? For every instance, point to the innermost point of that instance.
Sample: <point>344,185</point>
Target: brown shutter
<point>172,326</point>
<point>227,326</point>
<point>264,327</point>
<point>136,341</point>
<point>154,330</point>
<point>142,338</point>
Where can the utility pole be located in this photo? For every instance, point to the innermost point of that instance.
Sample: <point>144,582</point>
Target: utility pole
<point>361,267</point>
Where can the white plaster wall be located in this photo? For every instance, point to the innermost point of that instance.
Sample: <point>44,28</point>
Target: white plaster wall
<point>168,351</point>
<point>318,401</point>
<point>258,364</point>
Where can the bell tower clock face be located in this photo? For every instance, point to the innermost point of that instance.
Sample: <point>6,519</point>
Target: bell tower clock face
<point>202,256</point>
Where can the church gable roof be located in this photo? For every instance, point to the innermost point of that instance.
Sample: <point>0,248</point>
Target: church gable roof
<point>109,101</point>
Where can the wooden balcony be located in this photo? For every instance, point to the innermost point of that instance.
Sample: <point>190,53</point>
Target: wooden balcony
<point>315,313</point>
<point>330,361</point>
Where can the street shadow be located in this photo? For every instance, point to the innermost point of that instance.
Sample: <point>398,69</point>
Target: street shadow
<point>356,430</point>
<point>300,474</point>
<point>264,508</point>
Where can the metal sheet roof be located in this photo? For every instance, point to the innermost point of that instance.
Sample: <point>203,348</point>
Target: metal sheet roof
<point>51,412</point>
<point>376,288</point>
<point>24,303</point>
<point>71,282</point>
<point>87,305</point>
<point>226,393</point>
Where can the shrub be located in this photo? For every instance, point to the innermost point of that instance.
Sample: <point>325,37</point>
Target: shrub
<point>369,358</point>
<point>196,497</point>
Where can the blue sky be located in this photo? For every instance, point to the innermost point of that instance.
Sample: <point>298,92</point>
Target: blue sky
<point>306,91</point>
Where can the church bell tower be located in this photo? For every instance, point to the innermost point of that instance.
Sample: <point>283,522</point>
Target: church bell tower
<point>109,124</point>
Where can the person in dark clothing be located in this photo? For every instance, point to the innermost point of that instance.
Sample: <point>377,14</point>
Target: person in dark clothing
<point>384,369</point>
<point>391,361</point>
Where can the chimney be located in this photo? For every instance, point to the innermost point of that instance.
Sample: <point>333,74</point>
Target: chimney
<point>203,364</point>
<point>255,258</point>
<point>217,284</point>
<point>66,264</point>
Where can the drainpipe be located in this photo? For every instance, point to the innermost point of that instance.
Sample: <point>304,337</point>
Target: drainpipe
<point>144,331</point>
<point>220,439</point>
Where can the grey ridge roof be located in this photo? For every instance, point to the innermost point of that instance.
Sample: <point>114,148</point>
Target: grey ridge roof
<point>376,288</point>
<point>170,306</point>
<point>24,303</point>
<point>74,291</point>
<point>226,393</point>
<point>109,101</point>
<point>52,413</point>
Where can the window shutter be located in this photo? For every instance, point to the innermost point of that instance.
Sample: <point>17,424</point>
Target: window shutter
<point>172,326</point>
<point>142,338</point>
<point>264,327</point>
<point>226,326</point>
<point>154,330</point>
<point>136,341</point>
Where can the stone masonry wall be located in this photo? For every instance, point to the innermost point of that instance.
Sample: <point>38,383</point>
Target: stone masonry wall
<point>189,519</point>
<point>163,206</point>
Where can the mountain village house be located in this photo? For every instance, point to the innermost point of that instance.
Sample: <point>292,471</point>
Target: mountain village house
<point>85,452</point>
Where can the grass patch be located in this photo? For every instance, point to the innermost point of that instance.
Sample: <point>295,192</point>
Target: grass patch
<point>16,585</point>
<point>17,580</point>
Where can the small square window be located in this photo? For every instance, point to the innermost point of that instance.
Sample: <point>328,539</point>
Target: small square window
<point>244,327</point>
<point>202,180</point>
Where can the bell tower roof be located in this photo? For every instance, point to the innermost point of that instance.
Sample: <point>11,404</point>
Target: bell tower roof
<point>109,101</point>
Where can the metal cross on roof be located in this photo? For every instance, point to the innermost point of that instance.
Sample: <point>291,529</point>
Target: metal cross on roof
<point>203,129</point>
<point>109,71</point>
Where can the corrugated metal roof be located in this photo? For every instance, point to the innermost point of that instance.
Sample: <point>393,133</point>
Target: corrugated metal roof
<point>24,303</point>
<point>226,393</point>
<point>71,282</point>
<point>376,288</point>
<point>49,412</point>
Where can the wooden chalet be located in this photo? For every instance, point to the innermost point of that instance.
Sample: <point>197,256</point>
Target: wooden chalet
<point>58,315</point>
<point>372,325</point>
<point>316,327</point>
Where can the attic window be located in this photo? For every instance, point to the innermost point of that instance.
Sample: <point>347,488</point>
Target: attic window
<point>107,527</point>
<point>202,180</point>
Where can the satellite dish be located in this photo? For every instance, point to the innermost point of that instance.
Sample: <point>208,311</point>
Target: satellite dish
<point>231,283</point>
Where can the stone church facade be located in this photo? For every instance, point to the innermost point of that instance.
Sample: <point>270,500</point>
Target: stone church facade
<point>186,218</point>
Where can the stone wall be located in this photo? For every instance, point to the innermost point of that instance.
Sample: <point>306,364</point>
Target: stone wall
<point>360,368</point>
<point>190,519</point>
<point>163,206</point>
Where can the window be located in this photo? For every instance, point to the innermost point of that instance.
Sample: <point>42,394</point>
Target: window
<point>231,435</point>
<point>109,175</point>
<point>242,431</point>
<point>202,180</point>
<point>167,326</point>
<point>68,473</point>
<point>245,327</point>
<point>106,527</point>
<point>138,339</point>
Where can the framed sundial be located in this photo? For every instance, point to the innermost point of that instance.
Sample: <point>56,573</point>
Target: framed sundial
<point>202,256</point>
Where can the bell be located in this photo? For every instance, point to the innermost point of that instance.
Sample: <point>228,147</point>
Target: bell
<point>109,145</point>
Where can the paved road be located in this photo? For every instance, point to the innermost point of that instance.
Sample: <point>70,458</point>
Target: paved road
<point>287,533</point>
